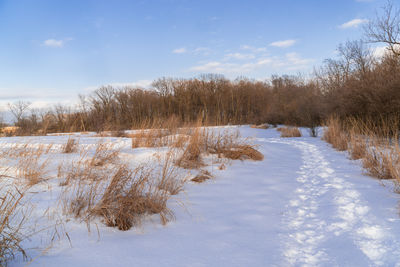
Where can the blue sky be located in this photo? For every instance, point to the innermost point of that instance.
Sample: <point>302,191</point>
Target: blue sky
<point>53,50</point>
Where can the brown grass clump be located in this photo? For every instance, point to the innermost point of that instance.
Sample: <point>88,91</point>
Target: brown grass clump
<point>12,220</point>
<point>243,152</point>
<point>71,146</point>
<point>335,135</point>
<point>202,177</point>
<point>260,126</point>
<point>227,144</point>
<point>231,145</point>
<point>290,132</point>
<point>129,196</point>
<point>123,196</point>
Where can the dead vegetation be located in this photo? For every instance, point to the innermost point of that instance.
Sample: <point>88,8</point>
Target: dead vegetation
<point>260,126</point>
<point>123,200</point>
<point>376,144</point>
<point>335,135</point>
<point>31,166</point>
<point>12,220</point>
<point>105,153</point>
<point>203,176</point>
<point>225,144</point>
<point>289,132</point>
<point>71,146</point>
<point>121,195</point>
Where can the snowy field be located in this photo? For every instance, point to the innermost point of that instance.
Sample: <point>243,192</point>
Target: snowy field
<point>304,204</point>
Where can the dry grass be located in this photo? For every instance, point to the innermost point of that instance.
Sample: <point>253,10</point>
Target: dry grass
<point>122,201</point>
<point>383,161</point>
<point>357,146</point>
<point>375,143</point>
<point>129,196</point>
<point>169,178</point>
<point>289,132</point>
<point>260,126</point>
<point>157,133</point>
<point>71,146</point>
<point>31,167</point>
<point>231,145</point>
<point>191,157</point>
<point>12,219</point>
<point>105,153</point>
<point>121,196</point>
<point>202,177</point>
<point>335,135</point>
<point>226,144</point>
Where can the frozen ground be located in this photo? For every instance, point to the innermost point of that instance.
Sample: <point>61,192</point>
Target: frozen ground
<point>305,204</point>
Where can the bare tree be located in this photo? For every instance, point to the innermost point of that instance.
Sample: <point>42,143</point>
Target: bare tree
<point>18,109</point>
<point>385,28</point>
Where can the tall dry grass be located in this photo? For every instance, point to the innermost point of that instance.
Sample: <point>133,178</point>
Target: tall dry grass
<point>335,134</point>
<point>375,143</point>
<point>12,220</point>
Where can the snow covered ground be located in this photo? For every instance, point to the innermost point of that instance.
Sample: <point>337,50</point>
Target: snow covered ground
<point>304,204</point>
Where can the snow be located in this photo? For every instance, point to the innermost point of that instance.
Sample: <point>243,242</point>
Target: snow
<point>305,204</point>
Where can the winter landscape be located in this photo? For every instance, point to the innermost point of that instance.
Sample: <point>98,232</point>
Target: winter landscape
<point>263,157</point>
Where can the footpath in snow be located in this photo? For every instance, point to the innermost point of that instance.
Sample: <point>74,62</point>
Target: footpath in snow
<point>304,204</point>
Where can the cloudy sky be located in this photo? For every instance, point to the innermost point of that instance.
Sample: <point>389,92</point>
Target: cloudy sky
<point>53,50</point>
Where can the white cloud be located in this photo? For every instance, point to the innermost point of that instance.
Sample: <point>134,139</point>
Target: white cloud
<point>181,50</point>
<point>379,51</point>
<point>285,43</point>
<point>354,23</point>
<point>205,51</point>
<point>291,61</point>
<point>239,56</point>
<point>295,61</point>
<point>53,43</point>
<point>253,49</point>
